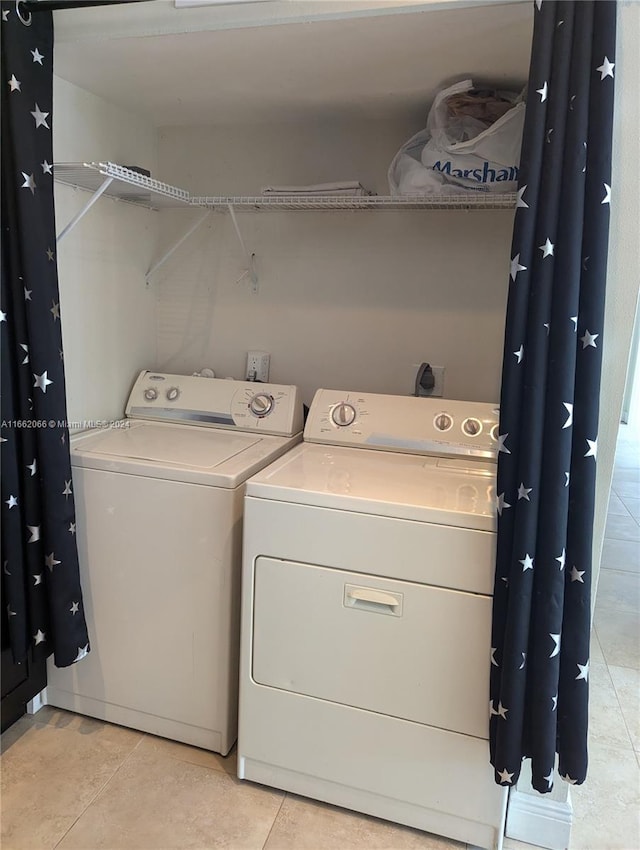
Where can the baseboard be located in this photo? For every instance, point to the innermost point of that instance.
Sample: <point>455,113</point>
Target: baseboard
<point>539,820</point>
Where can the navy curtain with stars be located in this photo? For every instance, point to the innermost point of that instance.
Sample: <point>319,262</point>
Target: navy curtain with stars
<point>549,400</point>
<point>42,599</point>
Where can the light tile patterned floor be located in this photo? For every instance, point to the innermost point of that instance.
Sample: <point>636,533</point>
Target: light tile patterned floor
<point>74,783</point>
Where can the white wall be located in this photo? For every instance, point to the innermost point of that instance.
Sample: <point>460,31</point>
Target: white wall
<point>623,276</point>
<point>107,312</point>
<point>346,299</point>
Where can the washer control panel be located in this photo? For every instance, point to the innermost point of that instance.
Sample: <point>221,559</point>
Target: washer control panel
<point>218,403</point>
<point>430,426</point>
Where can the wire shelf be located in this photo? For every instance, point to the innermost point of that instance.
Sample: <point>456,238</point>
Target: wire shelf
<point>127,185</point>
<point>284,203</point>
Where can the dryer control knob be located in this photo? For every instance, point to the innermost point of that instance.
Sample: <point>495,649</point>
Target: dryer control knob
<point>472,427</point>
<point>343,414</point>
<point>443,422</point>
<point>151,394</point>
<point>173,393</point>
<point>261,404</point>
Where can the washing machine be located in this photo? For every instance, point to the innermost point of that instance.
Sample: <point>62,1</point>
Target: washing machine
<point>366,614</point>
<point>159,508</point>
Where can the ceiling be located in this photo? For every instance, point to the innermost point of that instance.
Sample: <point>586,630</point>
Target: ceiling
<point>224,71</point>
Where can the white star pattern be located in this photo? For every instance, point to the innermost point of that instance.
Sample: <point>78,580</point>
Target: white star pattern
<point>55,310</point>
<point>589,339</point>
<point>5,15</point>
<point>33,466</point>
<point>72,528</point>
<point>505,776</point>
<point>556,648</point>
<point>14,85</point>
<point>516,267</point>
<point>3,316</point>
<point>607,194</point>
<point>10,613</point>
<point>524,660</point>
<point>82,651</point>
<point>569,421</point>
<point>501,504</point>
<point>567,476</point>
<point>493,658</point>
<point>520,353</point>
<point>593,448</point>
<point>576,574</point>
<point>523,492</point>
<point>25,348</point>
<point>554,700</point>
<point>547,248</point>
<point>47,168</point>
<point>492,711</point>
<point>29,182</point>
<point>527,563</point>
<point>574,319</point>
<point>606,69</point>
<point>37,56</point>
<point>49,254</point>
<point>37,579</point>
<point>568,779</point>
<point>67,488</point>
<point>520,202</point>
<point>502,711</point>
<point>543,92</point>
<point>50,561</point>
<point>39,637</point>
<point>11,501</point>
<point>40,117</point>
<point>74,607</point>
<point>549,778</point>
<point>547,325</point>
<point>562,559</point>
<point>41,381</point>
<point>501,443</point>
<point>27,294</point>
<point>584,671</point>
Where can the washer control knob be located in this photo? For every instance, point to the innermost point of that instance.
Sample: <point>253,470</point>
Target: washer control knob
<point>261,404</point>
<point>151,394</point>
<point>343,414</point>
<point>472,427</point>
<point>443,422</point>
<point>173,393</point>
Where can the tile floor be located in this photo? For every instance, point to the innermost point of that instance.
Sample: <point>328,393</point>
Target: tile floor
<point>74,783</point>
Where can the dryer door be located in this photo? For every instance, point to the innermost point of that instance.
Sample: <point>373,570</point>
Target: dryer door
<point>408,650</point>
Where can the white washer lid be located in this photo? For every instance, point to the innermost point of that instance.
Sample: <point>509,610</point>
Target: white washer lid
<point>192,447</point>
<point>177,452</point>
<point>448,491</point>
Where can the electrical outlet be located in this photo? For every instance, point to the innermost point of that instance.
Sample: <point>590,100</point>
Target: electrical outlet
<point>258,366</point>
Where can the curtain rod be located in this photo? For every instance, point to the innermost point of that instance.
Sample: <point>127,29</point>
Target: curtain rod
<point>55,5</point>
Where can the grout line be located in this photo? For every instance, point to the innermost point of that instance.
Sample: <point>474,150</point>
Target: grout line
<point>266,841</point>
<point>100,790</point>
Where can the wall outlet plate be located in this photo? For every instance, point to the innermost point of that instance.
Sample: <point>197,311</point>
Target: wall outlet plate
<point>258,366</point>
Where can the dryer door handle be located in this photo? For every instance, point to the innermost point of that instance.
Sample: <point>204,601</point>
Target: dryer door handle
<point>372,599</point>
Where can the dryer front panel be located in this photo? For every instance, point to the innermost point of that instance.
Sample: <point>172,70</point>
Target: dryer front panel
<point>403,649</point>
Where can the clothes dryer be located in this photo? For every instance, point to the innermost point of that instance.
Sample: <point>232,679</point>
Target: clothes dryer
<point>159,507</point>
<point>366,614</point>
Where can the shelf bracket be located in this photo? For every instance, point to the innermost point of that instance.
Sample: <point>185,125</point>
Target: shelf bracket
<point>176,245</point>
<point>250,257</point>
<point>85,209</point>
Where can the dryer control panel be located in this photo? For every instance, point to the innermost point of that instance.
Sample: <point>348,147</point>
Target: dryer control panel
<point>217,403</point>
<point>429,426</point>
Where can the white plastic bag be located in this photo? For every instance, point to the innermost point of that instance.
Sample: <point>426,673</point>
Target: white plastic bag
<point>455,154</point>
